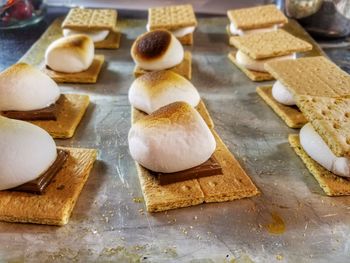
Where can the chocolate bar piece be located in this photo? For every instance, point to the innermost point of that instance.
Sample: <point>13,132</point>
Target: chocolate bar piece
<point>209,168</point>
<point>48,113</point>
<point>39,185</point>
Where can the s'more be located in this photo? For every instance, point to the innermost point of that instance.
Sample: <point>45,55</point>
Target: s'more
<point>312,76</point>
<point>180,20</point>
<point>255,50</point>
<point>99,24</point>
<point>253,20</point>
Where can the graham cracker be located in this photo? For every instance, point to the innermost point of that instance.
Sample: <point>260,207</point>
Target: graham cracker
<point>171,17</point>
<point>330,117</point>
<point>88,76</point>
<point>184,68</point>
<point>291,115</point>
<point>186,39</point>
<point>90,19</point>
<point>55,206</point>
<point>112,41</point>
<point>256,17</point>
<point>314,76</point>
<point>70,110</point>
<point>251,74</point>
<point>201,108</point>
<point>233,184</point>
<point>269,44</point>
<point>331,184</point>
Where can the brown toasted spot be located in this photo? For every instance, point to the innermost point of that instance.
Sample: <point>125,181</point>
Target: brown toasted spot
<point>153,44</point>
<point>75,41</point>
<point>174,113</point>
<point>154,77</point>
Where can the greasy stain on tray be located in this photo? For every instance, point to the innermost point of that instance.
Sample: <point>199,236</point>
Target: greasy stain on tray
<point>277,226</point>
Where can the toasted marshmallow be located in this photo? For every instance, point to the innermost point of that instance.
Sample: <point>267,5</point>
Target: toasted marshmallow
<point>282,94</point>
<point>157,50</point>
<point>258,65</point>
<point>156,89</point>
<point>25,88</point>
<point>180,32</point>
<point>171,139</point>
<point>319,151</point>
<point>70,54</point>
<point>235,31</point>
<point>27,151</point>
<point>96,36</point>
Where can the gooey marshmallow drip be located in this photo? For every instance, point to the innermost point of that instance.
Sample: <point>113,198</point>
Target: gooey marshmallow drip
<point>96,36</point>
<point>258,65</point>
<point>178,32</point>
<point>282,94</point>
<point>235,31</point>
<point>319,151</point>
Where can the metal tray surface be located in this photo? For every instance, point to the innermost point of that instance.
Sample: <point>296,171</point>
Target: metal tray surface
<point>291,221</point>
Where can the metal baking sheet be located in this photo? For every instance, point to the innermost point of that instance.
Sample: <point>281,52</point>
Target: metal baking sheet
<point>291,221</point>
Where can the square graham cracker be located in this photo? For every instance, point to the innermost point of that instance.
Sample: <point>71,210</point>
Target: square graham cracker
<point>251,74</point>
<point>256,17</point>
<point>291,115</point>
<point>70,110</point>
<point>90,19</point>
<point>171,17</point>
<point>269,44</point>
<point>331,184</point>
<point>184,68</point>
<point>233,184</point>
<point>88,76</point>
<point>201,108</point>
<point>186,39</point>
<point>313,76</point>
<point>55,206</point>
<point>330,117</point>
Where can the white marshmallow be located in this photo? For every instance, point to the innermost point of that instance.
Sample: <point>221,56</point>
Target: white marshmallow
<point>27,151</point>
<point>25,88</point>
<point>70,54</point>
<point>258,65</point>
<point>319,151</point>
<point>157,50</point>
<point>154,90</point>
<point>172,139</point>
<point>180,32</point>
<point>282,94</point>
<point>235,31</point>
<point>96,36</point>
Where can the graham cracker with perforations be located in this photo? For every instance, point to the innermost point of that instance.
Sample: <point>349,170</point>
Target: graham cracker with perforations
<point>55,206</point>
<point>87,76</point>
<point>331,184</point>
<point>257,17</point>
<point>184,68</point>
<point>291,115</point>
<point>314,76</point>
<point>90,19</point>
<point>269,44</point>
<point>70,110</point>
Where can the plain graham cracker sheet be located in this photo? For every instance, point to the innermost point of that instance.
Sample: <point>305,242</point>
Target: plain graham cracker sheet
<point>256,17</point>
<point>55,206</point>
<point>85,19</point>
<point>233,184</point>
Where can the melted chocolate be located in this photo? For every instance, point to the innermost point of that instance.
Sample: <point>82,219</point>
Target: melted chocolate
<point>48,113</point>
<point>209,168</point>
<point>39,185</point>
